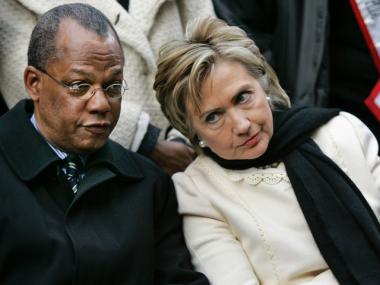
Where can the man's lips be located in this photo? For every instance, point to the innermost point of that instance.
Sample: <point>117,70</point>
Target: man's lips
<point>252,141</point>
<point>97,128</point>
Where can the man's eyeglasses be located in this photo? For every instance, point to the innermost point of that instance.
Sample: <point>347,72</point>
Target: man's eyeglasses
<point>85,91</point>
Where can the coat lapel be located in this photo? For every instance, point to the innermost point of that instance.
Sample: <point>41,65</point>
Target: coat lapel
<point>110,161</point>
<point>24,148</point>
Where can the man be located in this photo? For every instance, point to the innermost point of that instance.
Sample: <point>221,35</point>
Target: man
<point>77,208</point>
<point>143,26</point>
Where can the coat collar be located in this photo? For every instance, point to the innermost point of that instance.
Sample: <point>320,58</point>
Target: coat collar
<point>145,13</point>
<point>23,147</point>
<point>28,153</point>
<point>117,159</point>
<point>132,27</point>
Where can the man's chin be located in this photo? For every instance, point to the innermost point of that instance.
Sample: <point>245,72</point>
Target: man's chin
<point>89,147</point>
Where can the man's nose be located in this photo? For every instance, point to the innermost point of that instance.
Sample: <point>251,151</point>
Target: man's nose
<point>99,102</point>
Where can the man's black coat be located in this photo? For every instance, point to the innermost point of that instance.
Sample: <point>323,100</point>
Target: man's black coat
<point>120,228</point>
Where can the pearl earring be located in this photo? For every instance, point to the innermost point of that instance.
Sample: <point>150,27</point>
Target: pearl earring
<point>202,144</point>
<point>268,98</point>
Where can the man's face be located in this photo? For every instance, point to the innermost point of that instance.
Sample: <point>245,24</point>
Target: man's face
<point>72,124</point>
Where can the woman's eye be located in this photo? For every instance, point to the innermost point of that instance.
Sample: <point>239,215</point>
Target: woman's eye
<point>212,118</point>
<point>243,97</point>
<point>79,88</point>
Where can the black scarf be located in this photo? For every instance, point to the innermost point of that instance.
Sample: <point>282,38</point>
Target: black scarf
<point>341,221</point>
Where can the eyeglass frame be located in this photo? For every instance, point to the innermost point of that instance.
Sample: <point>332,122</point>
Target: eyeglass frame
<point>124,87</point>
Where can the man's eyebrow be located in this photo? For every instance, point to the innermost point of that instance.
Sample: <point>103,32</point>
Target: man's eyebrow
<point>116,71</point>
<point>83,73</point>
<point>91,76</point>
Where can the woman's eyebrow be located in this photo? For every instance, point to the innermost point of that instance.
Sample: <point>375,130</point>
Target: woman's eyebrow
<point>243,88</point>
<point>205,113</point>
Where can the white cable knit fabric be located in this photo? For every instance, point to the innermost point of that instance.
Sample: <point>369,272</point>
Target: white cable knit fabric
<point>142,30</point>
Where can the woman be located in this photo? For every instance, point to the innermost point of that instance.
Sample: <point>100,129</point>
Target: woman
<point>277,195</point>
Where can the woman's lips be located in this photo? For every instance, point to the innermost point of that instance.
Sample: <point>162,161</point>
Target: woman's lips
<point>252,141</point>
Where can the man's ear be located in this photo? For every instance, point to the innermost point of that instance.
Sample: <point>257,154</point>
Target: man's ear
<point>32,82</point>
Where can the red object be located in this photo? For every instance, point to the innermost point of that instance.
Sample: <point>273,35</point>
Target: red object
<point>373,101</point>
<point>366,33</point>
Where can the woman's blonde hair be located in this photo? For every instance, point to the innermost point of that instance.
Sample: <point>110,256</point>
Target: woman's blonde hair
<point>183,66</point>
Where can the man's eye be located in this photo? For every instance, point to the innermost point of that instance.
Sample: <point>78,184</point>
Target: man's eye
<point>114,89</point>
<point>79,88</point>
<point>212,118</point>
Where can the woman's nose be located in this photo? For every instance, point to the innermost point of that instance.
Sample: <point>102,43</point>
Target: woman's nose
<point>240,122</point>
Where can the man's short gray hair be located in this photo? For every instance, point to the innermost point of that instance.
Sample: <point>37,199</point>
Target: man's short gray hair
<point>42,45</point>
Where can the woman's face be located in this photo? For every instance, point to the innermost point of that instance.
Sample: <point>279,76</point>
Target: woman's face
<point>235,120</point>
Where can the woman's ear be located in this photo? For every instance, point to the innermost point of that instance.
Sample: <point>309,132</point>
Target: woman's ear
<point>32,82</point>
